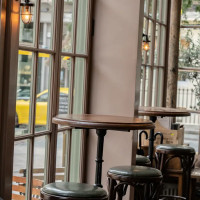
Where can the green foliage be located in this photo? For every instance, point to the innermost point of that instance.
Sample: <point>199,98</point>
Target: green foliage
<point>189,57</point>
<point>186,4</point>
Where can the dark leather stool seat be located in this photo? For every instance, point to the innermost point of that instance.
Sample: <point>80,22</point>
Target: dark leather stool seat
<point>165,153</point>
<point>142,160</point>
<point>137,176</point>
<point>72,191</point>
<point>175,149</point>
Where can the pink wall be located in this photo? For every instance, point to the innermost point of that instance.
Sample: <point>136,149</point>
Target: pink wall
<point>115,76</point>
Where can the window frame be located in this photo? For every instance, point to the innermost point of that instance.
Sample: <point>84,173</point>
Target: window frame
<point>5,189</point>
<point>148,99</point>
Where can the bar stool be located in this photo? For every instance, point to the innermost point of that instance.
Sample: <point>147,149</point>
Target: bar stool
<point>166,152</point>
<point>142,161</point>
<point>145,180</point>
<point>72,191</point>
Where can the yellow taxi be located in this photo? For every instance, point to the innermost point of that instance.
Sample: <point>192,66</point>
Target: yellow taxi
<point>23,107</point>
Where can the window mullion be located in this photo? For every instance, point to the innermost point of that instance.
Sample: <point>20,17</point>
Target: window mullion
<point>75,25</point>
<point>89,35</point>
<point>30,159</point>
<point>57,45</point>
<point>34,95</point>
<point>38,24</point>
<point>152,55</point>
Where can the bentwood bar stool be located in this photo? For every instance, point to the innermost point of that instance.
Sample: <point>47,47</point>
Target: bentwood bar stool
<point>72,191</point>
<point>145,180</point>
<point>166,152</point>
<point>142,161</point>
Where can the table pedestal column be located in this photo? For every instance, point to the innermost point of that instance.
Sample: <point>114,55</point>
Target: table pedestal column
<point>99,159</point>
<point>151,141</point>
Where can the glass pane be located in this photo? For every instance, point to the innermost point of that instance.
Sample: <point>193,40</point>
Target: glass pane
<point>190,12</point>
<point>19,189</point>
<point>79,85</point>
<point>23,102</point>
<point>188,96</point>
<point>27,31</point>
<point>68,23</point>
<point>82,22</point>
<point>188,82</point>
<point>150,31</point>
<point>43,94</point>
<point>65,79</point>
<point>145,7</point>
<point>39,165</point>
<point>189,47</point>
<point>164,11</point>
<point>62,156</point>
<point>151,7</point>
<point>160,86</point>
<point>142,84</point>
<point>158,13</point>
<point>157,44</point>
<point>154,86</point>
<point>75,156</point>
<point>147,86</point>
<point>162,46</point>
<point>46,24</point>
<point>145,31</point>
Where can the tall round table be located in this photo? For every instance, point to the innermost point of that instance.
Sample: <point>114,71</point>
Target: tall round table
<point>153,113</point>
<point>102,123</point>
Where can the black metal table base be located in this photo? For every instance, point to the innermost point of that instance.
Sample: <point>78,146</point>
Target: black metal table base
<point>151,138</point>
<point>99,159</point>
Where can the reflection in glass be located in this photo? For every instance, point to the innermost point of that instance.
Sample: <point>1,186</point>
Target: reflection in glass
<point>145,7</point>
<point>189,47</point>
<point>188,97</point>
<point>62,165</point>
<point>75,156</point>
<point>67,38</point>
<point>158,14</point>
<point>147,86</point>
<point>23,96</point>
<point>151,6</point>
<point>39,168</point>
<point>79,85</point>
<point>162,46</point>
<point>27,31</point>
<point>150,38</point>
<point>164,11</point>
<point>157,44</point>
<point>81,43</point>
<point>42,90</point>
<point>160,86</point>
<point>65,85</point>
<point>154,86</point>
<point>190,14</point>
<point>46,23</point>
<point>19,186</point>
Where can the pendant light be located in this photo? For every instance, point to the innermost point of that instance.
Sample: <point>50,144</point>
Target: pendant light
<point>26,11</point>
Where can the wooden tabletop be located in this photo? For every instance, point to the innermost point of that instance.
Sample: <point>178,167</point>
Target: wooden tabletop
<point>163,112</point>
<point>102,122</point>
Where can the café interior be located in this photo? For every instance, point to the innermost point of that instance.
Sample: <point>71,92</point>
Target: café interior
<point>99,100</point>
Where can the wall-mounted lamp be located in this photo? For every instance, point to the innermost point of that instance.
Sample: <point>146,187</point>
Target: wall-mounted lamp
<point>26,11</point>
<point>145,42</point>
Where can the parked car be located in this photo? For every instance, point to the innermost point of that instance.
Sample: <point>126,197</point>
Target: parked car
<point>23,107</point>
<point>23,94</point>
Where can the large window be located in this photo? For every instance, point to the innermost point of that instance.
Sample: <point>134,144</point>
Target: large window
<point>188,94</point>
<point>52,74</point>
<point>153,61</point>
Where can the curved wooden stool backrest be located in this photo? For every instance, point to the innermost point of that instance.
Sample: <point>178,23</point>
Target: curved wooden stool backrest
<point>184,155</point>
